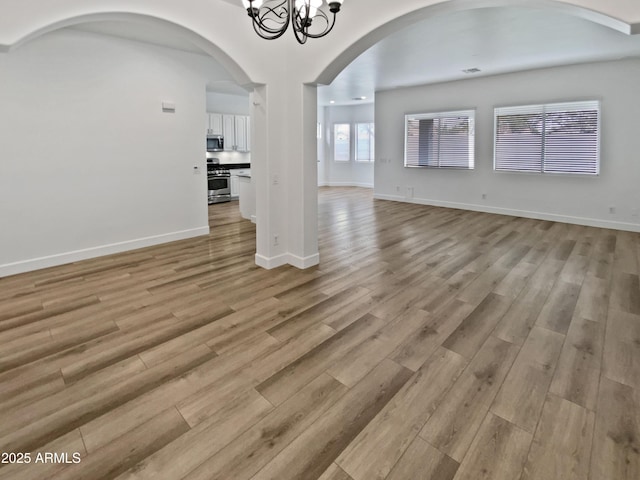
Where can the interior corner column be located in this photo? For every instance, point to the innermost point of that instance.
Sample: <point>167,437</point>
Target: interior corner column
<point>284,167</point>
<point>302,167</point>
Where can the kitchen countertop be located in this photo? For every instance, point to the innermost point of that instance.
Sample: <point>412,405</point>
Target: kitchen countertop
<point>233,166</point>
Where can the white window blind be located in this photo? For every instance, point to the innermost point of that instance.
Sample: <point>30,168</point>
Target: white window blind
<point>552,138</point>
<point>440,140</point>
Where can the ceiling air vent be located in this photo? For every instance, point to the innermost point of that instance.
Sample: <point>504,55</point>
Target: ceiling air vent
<point>471,70</point>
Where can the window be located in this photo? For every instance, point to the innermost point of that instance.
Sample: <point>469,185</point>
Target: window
<point>553,138</point>
<point>364,142</point>
<point>342,142</point>
<point>440,140</point>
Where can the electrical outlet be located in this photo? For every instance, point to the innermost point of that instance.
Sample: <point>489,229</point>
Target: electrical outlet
<point>276,179</point>
<point>398,188</point>
<point>276,240</point>
<point>612,210</point>
<point>484,196</point>
<point>409,192</point>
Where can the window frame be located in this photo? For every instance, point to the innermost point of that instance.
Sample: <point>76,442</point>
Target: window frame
<point>470,113</point>
<point>543,109</point>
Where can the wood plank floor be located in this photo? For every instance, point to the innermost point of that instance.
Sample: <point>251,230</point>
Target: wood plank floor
<point>429,343</point>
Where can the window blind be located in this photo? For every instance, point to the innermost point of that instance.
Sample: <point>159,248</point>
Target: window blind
<point>440,140</point>
<point>552,138</point>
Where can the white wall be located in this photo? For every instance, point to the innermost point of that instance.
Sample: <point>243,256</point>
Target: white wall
<point>576,199</point>
<point>227,103</point>
<point>345,173</point>
<point>89,163</point>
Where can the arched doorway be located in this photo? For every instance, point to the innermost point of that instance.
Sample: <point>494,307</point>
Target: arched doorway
<point>104,149</point>
<point>574,24</point>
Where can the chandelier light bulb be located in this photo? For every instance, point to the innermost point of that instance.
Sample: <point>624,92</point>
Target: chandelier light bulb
<point>301,6</point>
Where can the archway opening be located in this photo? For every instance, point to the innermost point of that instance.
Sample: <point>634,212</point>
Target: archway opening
<point>107,150</point>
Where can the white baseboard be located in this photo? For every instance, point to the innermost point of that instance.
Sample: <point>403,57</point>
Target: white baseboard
<point>345,184</point>
<point>287,259</point>
<point>589,222</point>
<point>100,251</point>
<point>271,262</point>
<point>305,262</point>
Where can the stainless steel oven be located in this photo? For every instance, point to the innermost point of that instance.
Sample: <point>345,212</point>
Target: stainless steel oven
<point>218,183</point>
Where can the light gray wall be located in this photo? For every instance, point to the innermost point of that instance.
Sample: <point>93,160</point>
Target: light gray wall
<point>572,198</point>
<point>345,173</point>
<point>89,163</point>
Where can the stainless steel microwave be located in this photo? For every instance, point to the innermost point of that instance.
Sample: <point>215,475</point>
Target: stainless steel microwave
<point>215,143</point>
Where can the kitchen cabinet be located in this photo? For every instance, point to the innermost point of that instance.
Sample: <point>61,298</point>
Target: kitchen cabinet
<point>247,197</point>
<point>235,173</point>
<point>229,132</point>
<point>234,186</point>
<point>241,133</point>
<point>236,130</point>
<point>214,124</point>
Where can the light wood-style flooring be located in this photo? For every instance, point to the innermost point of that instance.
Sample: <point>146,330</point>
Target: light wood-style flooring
<point>429,343</point>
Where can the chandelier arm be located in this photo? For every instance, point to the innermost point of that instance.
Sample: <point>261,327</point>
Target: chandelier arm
<point>327,30</point>
<point>270,35</point>
<point>261,25</point>
<point>299,21</point>
<point>269,10</point>
<point>300,35</point>
<point>258,20</point>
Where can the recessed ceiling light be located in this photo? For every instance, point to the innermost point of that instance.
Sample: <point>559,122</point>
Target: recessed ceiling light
<point>471,70</point>
<point>332,101</point>
<point>359,98</point>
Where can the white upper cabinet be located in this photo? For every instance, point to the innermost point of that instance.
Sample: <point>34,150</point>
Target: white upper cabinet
<point>215,124</point>
<point>241,133</point>
<point>235,129</point>
<point>229,132</point>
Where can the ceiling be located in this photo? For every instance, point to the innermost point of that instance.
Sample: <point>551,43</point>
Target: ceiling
<point>495,40</point>
<point>438,49</point>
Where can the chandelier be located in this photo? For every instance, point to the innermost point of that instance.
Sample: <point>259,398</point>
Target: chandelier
<point>271,18</point>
